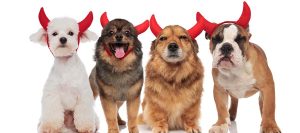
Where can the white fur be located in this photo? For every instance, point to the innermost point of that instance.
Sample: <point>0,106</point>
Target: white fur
<point>237,80</point>
<point>67,87</point>
<point>219,129</point>
<point>180,53</point>
<point>237,58</point>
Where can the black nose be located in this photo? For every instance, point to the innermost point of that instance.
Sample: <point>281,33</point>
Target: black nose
<point>173,47</point>
<point>119,37</point>
<point>226,49</point>
<point>63,40</point>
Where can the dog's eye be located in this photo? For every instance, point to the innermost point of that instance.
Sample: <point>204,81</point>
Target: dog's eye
<point>127,32</point>
<point>163,38</point>
<point>54,33</point>
<point>183,37</point>
<point>217,39</point>
<point>111,32</point>
<point>70,33</point>
<point>239,39</point>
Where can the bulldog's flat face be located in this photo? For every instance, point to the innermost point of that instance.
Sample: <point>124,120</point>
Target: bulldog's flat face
<point>228,45</point>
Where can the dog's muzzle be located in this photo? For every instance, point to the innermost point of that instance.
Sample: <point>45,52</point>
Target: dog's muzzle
<point>226,49</point>
<point>173,50</point>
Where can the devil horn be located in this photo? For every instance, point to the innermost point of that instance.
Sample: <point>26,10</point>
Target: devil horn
<point>196,29</point>
<point>155,28</point>
<point>86,22</point>
<point>142,27</point>
<point>43,18</point>
<point>208,26</point>
<point>103,19</point>
<point>245,17</point>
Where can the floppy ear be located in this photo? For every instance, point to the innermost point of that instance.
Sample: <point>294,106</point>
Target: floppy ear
<point>195,46</point>
<point>88,36</point>
<point>39,37</point>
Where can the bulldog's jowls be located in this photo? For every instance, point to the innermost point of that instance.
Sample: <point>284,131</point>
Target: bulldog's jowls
<point>174,77</point>
<point>240,70</point>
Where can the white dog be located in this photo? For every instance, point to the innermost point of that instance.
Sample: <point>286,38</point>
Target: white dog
<point>67,88</point>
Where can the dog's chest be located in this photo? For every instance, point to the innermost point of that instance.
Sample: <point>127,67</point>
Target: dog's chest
<point>237,81</point>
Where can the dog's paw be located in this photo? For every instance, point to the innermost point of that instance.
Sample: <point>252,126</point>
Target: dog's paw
<point>133,130</point>
<point>223,128</point>
<point>195,129</point>
<point>159,130</point>
<point>88,127</point>
<point>113,131</point>
<point>270,127</point>
<point>49,127</point>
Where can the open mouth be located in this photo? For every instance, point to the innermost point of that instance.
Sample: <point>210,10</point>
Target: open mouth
<point>119,49</point>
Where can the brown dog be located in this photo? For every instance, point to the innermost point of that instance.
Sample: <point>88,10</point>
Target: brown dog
<point>240,70</point>
<point>174,77</point>
<point>118,74</point>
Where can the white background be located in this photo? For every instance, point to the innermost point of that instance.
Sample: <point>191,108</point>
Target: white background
<point>25,65</point>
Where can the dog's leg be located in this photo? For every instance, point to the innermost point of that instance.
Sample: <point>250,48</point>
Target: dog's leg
<point>260,100</point>
<point>132,112</point>
<point>221,100</point>
<point>156,118</point>
<point>84,115</point>
<point>52,119</point>
<point>94,85</point>
<point>268,110</point>
<point>111,111</point>
<point>233,108</point>
<point>120,121</point>
<point>190,118</point>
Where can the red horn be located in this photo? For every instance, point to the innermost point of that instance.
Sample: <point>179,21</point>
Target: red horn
<point>245,17</point>
<point>196,29</point>
<point>86,22</point>
<point>142,27</point>
<point>43,19</point>
<point>103,19</point>
<point>208,26</point>
<point>155,28</point>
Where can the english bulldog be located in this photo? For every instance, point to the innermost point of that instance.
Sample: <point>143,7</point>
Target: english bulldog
<point>240,69</point>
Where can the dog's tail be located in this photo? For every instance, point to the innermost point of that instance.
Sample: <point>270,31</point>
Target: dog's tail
<point>140,119</point>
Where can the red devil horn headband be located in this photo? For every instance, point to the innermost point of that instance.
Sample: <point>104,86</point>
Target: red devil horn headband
<point>83,25</point>
<point>139,28</point>
<point>242,21</point>
<point>193,32</point>
<point>43,19</point>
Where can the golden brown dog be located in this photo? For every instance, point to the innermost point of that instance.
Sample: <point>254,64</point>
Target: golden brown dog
<point>118,74</point>
<point>174,77</point>
<point>240,69</point>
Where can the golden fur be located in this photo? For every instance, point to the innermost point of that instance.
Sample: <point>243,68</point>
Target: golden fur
<point>173,90</point>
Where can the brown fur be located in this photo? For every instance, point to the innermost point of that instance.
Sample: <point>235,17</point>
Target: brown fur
<point>118,80</point>
<point>173,91</point>
<point>264,84</point>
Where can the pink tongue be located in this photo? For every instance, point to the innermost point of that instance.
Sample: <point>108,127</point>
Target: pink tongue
<point>119,53</point>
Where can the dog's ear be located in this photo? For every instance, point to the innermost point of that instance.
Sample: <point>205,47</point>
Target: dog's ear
<point>39,37</point>
<point>195,46</point>
<point>248,31</point>
<point>153,45</point>
<point>88,36</point>
<point>207,36</point>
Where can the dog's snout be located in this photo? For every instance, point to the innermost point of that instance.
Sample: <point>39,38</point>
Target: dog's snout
<point>226,49</point>
<point>119,37</point>
<point>173,47</point>
<point>63,40</point>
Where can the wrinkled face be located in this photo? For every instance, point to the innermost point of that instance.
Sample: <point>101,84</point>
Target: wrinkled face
<point>228,44</point>
<point>63,35</point>
<point>174,44</point>
<point>118,37</point>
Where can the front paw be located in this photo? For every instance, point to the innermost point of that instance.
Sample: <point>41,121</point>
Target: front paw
<point>160,130</point>
<point>223,128</point>
<point>113,130</point>
<point>85,127</point>
<point>195,129</point>
<point>47,127</point>
<point>270,127</point>
<point>133,130</point>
